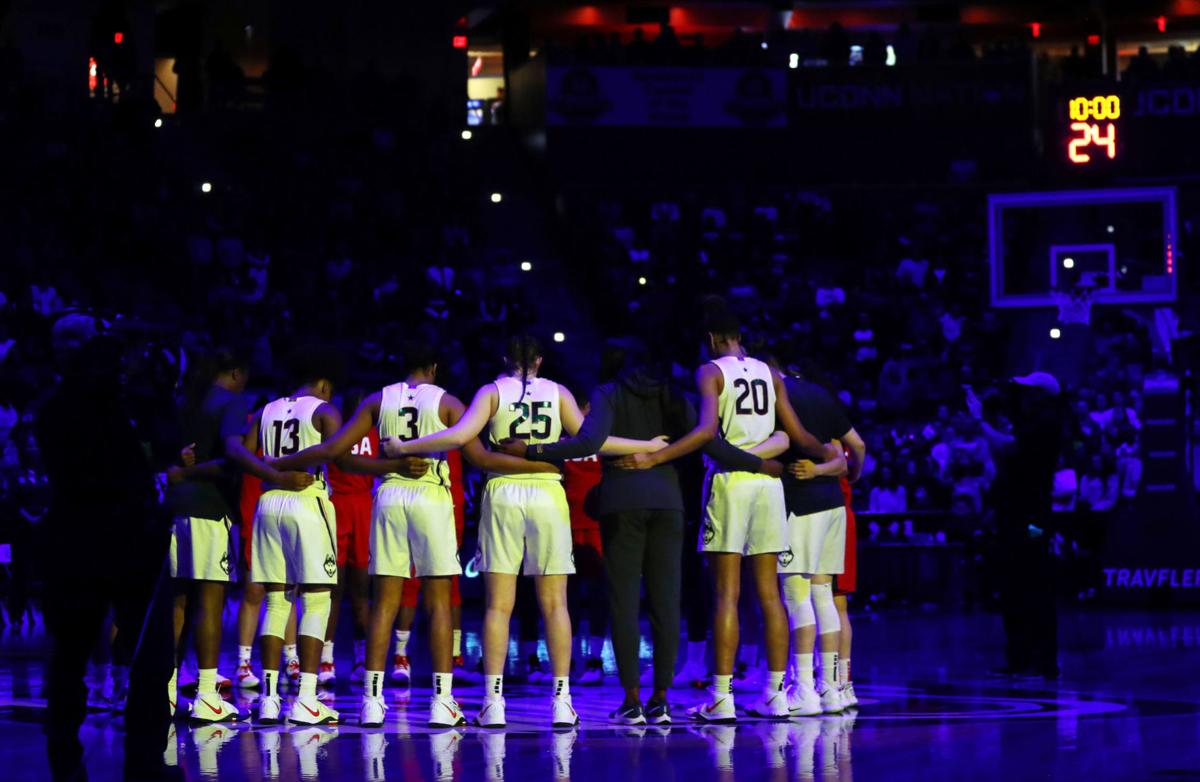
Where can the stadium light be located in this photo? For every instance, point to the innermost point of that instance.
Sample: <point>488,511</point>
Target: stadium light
<point>641,280</point>
<point>1068,263</point>
<point>206,187</point>
<point>1055,333</point>
<point>497,198</point>
<point>158,122</point>
<point>793,61</point>
<point>526,266</point>
<point>466,135</point>
<point>560,337</point>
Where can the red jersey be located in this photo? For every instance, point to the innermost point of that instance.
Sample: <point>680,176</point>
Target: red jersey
<point>580,476</point>
<point>356,483</point>
<point>457,490</point>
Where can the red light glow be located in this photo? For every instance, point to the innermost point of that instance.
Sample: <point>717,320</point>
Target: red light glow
<point>459,42</point>
<point>92,81</point>
<point>1161,22</point>
<point>118,38</point>
<point>1093,40</point>
<point>1036,29</point>
<point>1170,255</point>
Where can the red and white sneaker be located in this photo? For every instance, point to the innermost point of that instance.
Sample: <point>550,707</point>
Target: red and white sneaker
<point>293,671</point>
<point>326,675</point>
<point>246,680</point>
<point>223,681</point>
<point>401,670</point>
<point>719,709</point>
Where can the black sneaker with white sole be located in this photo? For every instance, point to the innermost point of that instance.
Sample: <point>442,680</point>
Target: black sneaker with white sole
<point>658,713</point>
<point>628,715</point>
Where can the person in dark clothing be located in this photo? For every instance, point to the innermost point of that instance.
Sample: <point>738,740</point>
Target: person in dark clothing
<point>1026,460</point>
<point>105,547</point>
<point>641,512</point>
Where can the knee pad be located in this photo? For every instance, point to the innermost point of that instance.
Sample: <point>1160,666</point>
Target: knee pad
<point>797,599</point>
<point>827,615</point>
<point>275,619</point>
<point>315,618</point>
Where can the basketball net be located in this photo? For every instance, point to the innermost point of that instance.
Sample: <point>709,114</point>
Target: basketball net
<point>1075,305</point>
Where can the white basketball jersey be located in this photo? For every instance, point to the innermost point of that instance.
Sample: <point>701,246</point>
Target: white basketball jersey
<point>287,428</point>
<point>411,412</point>
<point>746,406</point>
<point>528,411</point>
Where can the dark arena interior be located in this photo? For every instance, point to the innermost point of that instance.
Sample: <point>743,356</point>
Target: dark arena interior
<point>530,389</point>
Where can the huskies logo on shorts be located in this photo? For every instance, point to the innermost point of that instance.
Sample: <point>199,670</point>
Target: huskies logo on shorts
<point>710,532</point>
<point>786,557</point>
<point>330,566</point>
<point>225,566</point>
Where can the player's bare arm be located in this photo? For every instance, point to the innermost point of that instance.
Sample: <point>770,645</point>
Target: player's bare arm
<point>790,423</point>
<point>334,445</point>
<point>710,382</point>
<point>241,451</point>
<point>858,454</point>
<point>467,428</point>
<point>503,464</point>
<point>805,469</point>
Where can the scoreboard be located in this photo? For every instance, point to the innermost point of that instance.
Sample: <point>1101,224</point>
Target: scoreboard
<point>1093,128</point>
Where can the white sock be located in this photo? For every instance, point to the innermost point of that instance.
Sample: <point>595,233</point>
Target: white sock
<point>206,681</point>
<point>270,680</point>
<point>774,681</point>
<point>723,685</point>
<point>360,652</point>
<point>843,671</point>
<point>493,685</point>
<point>749,655</point>
<point>402,642</point>
<point>456,639</point>
<point>803,663</point>
<point>596,646</point>
<point>829,668</point>
<point>443,684</point>
<point>244,654</point>
<point>308,685</point>
<point>695,652</point>
<point>373,684</point>
<point>327,652</point>
<point>562,686</point>
<point>290,653</point>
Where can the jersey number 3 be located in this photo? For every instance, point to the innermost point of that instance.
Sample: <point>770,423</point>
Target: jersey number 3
<point>752,397</point>
<point>524,413</point>
<point>410,415</point>
<point>280,448</point>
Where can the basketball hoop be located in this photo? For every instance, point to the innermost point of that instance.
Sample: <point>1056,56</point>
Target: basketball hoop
<point>1075,305</point>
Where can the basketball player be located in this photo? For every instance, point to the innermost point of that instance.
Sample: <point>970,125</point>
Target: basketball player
<point>741,399</point>
<point>352,498</point>
<point>412,531</point>
<point>844,585</point>
<point>524,517</point>
<point>295,537</point>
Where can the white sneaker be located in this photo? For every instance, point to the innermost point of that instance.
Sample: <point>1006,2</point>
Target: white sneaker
<point>491,714</point>
<point>246,680</point>
<point>444,712</point>
<point>718,710</point>
<point>593,673</point>
<point>775,742</point>
<point>373,712</point>
<point>326,675</point>
<point>208,740</point>
<point>443,747</point>
<point>308,743</point>
<point>270,710</point>
<point>693,675</point>
<point>212,708</point>
<point>848,696</point>
<point>803,700</point>
<point>374,750</point>
<point>772,705</point>
<point>401,670</point>
<point>831,700</point>
<point>293,670</point>
<point>563,714</point>
<point>310,711</point>
<point>720,740</point>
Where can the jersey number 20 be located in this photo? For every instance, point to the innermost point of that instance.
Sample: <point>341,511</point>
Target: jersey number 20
<point>752,397</point>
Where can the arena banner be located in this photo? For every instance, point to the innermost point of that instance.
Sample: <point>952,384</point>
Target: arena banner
<point>965,91</point>
<point>665,97</point>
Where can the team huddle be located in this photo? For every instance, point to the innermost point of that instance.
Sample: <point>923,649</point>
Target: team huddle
<point>785,517</point>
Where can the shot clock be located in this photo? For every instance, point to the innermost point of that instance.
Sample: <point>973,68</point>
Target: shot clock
<point>1093,128</point>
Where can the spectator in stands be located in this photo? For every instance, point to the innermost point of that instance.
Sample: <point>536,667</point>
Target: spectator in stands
<point>888,496</point>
